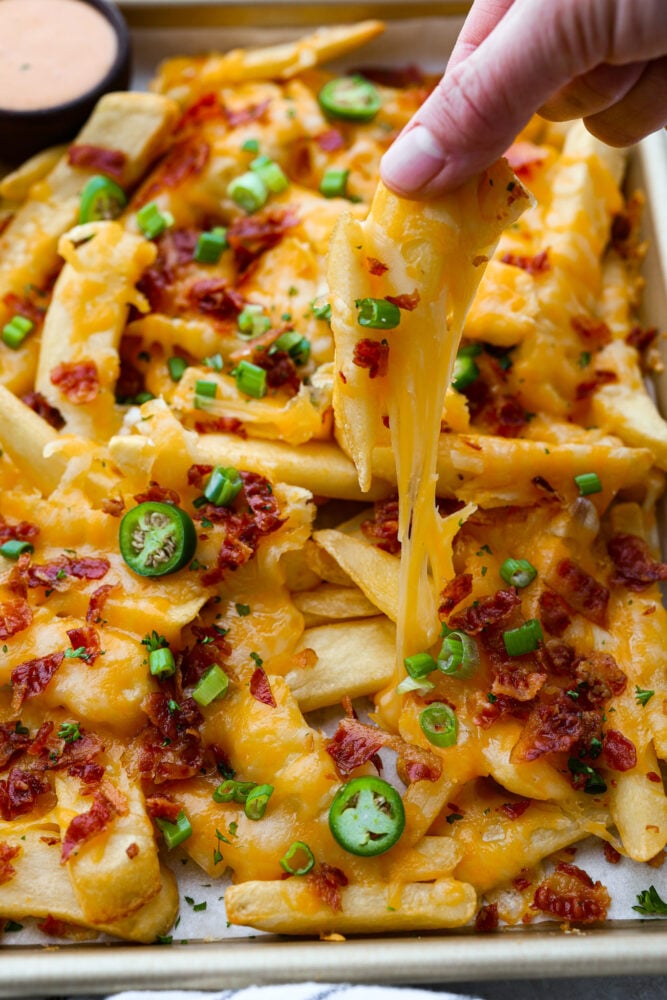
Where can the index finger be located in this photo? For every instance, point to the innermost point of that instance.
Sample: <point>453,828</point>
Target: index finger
<point>483,17</point>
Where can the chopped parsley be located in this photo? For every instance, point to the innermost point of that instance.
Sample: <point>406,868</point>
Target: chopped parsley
<point>242,610</point>
<point>650,903</point>
<point>643,696</point>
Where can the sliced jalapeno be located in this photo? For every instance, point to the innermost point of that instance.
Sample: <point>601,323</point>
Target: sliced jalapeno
<point>101,198</point>
<point>367,816</point>
<point>156,538</point>
<point>351,98</point>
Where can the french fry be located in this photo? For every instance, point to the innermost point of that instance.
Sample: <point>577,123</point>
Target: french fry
<point>25,437</point>
<point>292,908</point>
<point>329,602</point>
<point>375,572</point>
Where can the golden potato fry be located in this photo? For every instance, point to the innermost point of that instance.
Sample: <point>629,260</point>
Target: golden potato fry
<point>329,602</point>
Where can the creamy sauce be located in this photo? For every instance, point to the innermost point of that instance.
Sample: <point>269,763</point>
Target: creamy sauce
<point>51,52</point>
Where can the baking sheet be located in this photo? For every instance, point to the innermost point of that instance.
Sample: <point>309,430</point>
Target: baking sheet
<point>161,29</point>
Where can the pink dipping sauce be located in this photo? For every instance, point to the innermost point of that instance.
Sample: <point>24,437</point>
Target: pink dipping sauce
<point>51,52</point>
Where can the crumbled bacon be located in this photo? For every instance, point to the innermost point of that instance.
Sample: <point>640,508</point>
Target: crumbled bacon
<point>19,792</point>
<point>280,370</point>
<point>184,160</point>
<point>42,740</point>
<point>635,568</point>
<point>594,332</point>
<point>159,282</point>
<point>554,726</point>
<point>79,381</point>
<point>515,809</point>
<point>641,337</point>
<point>15,616</point>
<point>250,113</point>
<point>197,475</point>
<point>161,757</point>
<point>200,656</point>
<point>41,406</point>
<point>215,297</point>
<point>33,303</point>
<point>557,657</point>
<point>382,528</point>
<point>489,712</point>
<point>87,825</point>
<point>598,676</point>
<point>162,807</point>
<point>132,850</point>
<point>456,591</point>
<point>223,425</point>
<point>206,108</point>
<point>611,854</point>
<point>98,599</point>
<point>354,744</point>
<point>488,611</point>
<point>553,613</point>
<point>581,591</point>
<point>105,161</point>
<point>12,743</point>
<point>54,572</point>
<point>373,355</point>
<point>30,678</point>
<point>258,494</point>
<point>78,759</point>
<point>252,235</point>
<point>508,417</point>
<point>539,264</point>
<point>601,376</point>
<point>326,882</point>
<point>570,894</point>
<point>406,301</point>
<point>331,140</point>
<point>87,637</point>
<point>619,752</point>
<point>260,688</point>
<point>159,494</point>
<point>487,918</point>
<point>7,855</point>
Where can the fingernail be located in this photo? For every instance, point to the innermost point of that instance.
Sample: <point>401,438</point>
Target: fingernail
<point>412,160</point>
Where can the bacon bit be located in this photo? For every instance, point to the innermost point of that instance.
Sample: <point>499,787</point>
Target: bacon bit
<point>251,236</point>
<point>382,528</point>
<point>570,894</point>
<point>456,591</point>
<point>98,599</point>
<point>487,918</point>
<point>258,494</point>
<point>554,726</point>
<point>539,264</point>
<point>594,331</point>
<point>80,382</point>
<point>260,688</point>
<point>326,882</point>
<point>215,297</point>
<point>354,744</point>
<point>489,611</point>
<point>376,266</point>
<point>30,678</point>
<point>197,659</point>
<point>515,809</point>
<point>33,304</point>
<point>372,354</point>
<point>599,676</point>
<point>331,141</point>
<point>204,109</point>
<point>19,792</point>
<point>15,616</point>
<point>87,637</point>
<point>179,759</point>
<point>305,659</point>
<point>509,418</point>
<point>601,377</point>
<point>185,159</point>
<point>487,713</point>
<point>611,854</point>
<point>41,406</point>
<point>159,282</point>
<point>55,572</point>
<point>635,567</point>
<point>553,613</point>
<point>7,855</point>
<point>114,506</point>
<point>87,825</point>
<point>581,591</point>
<point>115,798</point>
<point>159,494</point>
<point>641,338</point>
<point>344,381</point>
<point>162,807</point>
<point>41,741</point>
<point>50,841</point>
<point>75,755</point>
<point>524,157</point>
<point>224,425</point>
<point>619,752</point>
<point>17,582</point>
<point>197,474</point>
<point>517,681</point>
<point>557,657</point>
<point>521,883</point>
<point>251,113</point>
<point>12,743</point>
<point>106,161</point>
<point>650,610</point>
<point>652,776</point>
<point>132,850</point>
<point>53,926</point>
<point>280,370</point>
<point>405,301</point>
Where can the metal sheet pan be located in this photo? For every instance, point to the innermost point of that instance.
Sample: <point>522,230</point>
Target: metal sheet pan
<point>624,947</point>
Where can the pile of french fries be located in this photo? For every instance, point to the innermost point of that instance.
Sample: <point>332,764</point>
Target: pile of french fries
<point>319,609</point>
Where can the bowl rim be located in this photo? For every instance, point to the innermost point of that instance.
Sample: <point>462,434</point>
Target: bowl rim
<point>112,14</point>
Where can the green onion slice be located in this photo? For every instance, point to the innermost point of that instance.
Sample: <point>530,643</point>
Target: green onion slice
<point>294,344</point>
<point>175,833</point>
<point>524,639</point>
<point>419,665</point>
<point>152,222</point>
<point>299,850</point>
<point>588,483</point>
<point>223,486</point>
<point>378,314</point>
<point>101,198</point>
<point>207,389</point>
<point>459,655</point>
<point>176,368</point>
<point>213,684</point>
<point>16,330</point>
<point>248,191</point>
<point>334,183</point>
<point>250,379</point>
<point>257,801</point>
<point>439,724</point>
<point>13,548</point>
<point>210,246</point>
<point>252,321</point>
<point>233,791</point>
<point>271,173</point>
<point>518,572</point>
<point>465,372</point>
<point>161,663</point>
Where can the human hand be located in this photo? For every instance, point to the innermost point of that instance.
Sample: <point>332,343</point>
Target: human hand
<point>602,60</point>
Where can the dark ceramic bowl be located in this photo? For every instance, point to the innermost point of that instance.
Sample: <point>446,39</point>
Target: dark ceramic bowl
<point>23,133</point>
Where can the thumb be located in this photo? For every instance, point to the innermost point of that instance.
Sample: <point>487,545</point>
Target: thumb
<point>480,104</point>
